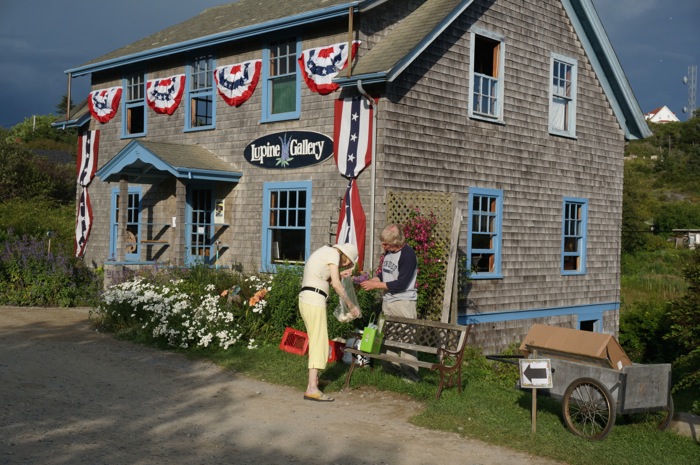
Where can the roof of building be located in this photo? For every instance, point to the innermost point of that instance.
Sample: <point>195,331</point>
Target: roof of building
<point>79,115</point>
<point>657,115</point>
<point>149,162</point>
<point>386,60</point>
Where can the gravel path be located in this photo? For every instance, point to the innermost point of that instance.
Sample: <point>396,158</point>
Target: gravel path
<point>69,395</point>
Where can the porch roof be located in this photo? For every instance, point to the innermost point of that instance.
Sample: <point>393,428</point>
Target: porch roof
<point>146,162</point>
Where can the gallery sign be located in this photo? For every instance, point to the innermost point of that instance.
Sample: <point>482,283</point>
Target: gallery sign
<point>290,149</point>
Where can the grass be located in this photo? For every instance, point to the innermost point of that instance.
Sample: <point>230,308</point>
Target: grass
<point>488,409</point>
<point>653,276</point>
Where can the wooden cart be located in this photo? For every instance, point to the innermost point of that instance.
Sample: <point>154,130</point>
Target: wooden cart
<point>592,396</point>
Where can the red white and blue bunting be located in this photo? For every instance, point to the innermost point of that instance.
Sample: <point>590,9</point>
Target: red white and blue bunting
<point>87,156</point>
<point>236,83</point>
<point>352,221</point>
<point>104,103</point>
<point>86,166</point>
<point>320,65</point>
<point>352,135</point>
<point>83,223</point>
<point>164,95</point>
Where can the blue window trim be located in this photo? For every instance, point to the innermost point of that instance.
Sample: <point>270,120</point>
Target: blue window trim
<point>139,103</point>
<point>267,116</point>
<point>471,251</point>
<point>190,258</point>
<point>266,260</point>
<point>571,109</point>
<point>199,93</point>
<point>113,225</point>
<point>500,92</point>
<point>581,253</point>
<point>583,313</point>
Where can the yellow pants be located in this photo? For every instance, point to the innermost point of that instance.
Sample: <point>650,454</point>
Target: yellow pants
<point>316,322</point>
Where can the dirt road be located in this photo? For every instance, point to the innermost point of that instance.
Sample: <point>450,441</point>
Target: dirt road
<point>69,395</point>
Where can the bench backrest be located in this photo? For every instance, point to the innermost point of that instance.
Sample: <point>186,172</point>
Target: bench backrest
<point>423,335</point>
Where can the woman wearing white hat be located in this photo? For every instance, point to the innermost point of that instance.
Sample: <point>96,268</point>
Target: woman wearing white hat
<point>327,264</point>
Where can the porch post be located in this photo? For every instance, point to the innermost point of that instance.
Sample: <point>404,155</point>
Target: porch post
<point>179,231</point>
<point>123,218</point>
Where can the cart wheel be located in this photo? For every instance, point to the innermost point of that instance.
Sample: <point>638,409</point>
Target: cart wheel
<point>660,418</point>
<point>588,409</point>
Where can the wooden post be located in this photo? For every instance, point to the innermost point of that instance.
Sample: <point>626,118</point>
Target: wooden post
<point>350,28</point>
<point>451,268</point>
<point>534,402</point>
<point>70,77</point>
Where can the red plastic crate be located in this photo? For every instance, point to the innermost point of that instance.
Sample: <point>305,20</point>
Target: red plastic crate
<point>336,349</point>
<point>294,341</point>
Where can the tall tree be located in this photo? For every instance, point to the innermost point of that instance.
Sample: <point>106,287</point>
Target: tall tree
<point>62,107</point>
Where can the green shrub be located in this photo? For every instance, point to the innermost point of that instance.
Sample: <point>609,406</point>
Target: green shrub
<point>643,326</point>
<point>684,315</point>
<point>36,218</point>
<point>31,275</point>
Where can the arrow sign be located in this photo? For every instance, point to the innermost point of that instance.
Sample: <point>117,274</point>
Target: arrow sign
<point>535,373</point>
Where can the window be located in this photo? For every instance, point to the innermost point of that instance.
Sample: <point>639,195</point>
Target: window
<point>574,222</point>
<point>132,236</point>
<point>200,230</point>
<point>281,95</point>
<point>200,106</point>
<point>484,238</point>
<point>134,119</point>
<point>286,223</point>
<point>562,105</point>
<point>486,76</point>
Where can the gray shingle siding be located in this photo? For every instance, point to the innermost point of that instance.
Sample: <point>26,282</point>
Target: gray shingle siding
<point>426,141</point>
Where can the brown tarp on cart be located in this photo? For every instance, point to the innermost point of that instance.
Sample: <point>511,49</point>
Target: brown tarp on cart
<point>575,345</point>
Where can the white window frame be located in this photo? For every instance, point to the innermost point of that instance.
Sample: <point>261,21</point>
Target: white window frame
<point>489,107</point>
<point>562,96</point>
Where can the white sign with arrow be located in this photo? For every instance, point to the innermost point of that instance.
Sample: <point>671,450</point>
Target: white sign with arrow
<point>535,373</point>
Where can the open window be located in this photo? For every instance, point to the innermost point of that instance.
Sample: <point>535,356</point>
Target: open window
<point>200,95</point>
<point>486,76</point>
<point>134,116</point>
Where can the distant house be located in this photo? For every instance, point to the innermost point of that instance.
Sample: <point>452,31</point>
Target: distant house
<point>661,115</point>
<point>518,110</point>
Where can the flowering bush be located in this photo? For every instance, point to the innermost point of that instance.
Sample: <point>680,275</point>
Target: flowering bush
<point>32,275</point>
<point>162,313</point>
<point>200,307</point>
<point>179,308</point>
<point>419,231</point>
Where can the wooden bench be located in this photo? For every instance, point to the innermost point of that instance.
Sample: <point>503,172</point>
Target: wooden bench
<point>445,341</point>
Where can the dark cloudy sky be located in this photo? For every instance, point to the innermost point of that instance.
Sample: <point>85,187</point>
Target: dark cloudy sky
<point>655,40</point>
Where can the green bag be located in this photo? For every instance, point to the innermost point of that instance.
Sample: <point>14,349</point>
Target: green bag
<point>371,338</point>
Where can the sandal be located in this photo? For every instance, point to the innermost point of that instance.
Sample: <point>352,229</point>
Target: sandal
<point>318,397</point>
